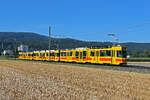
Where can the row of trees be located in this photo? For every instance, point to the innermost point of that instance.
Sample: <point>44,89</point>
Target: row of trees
<point>145,53</point>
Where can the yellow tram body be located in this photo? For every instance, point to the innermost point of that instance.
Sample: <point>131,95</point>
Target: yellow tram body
<point>21,55</point>
<point>112,55</point>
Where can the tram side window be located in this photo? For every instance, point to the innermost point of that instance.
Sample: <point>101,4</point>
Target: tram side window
<point>124,53</point>
<point>119,54</point>
<point>92,53</point>
<point>55,54</point>
<point>84,53</point>
<point>102,53</point>
<point>108,53</point>
<point>77,54</point>
<point>58,54</point>
<point>64,53</point>
<point>70,53</point>
<point>30,55</point>
<point>47,54</point>
<point>51,54</point>
<point>61,53</point>
<point>37,54</point>
<point>43,54</point>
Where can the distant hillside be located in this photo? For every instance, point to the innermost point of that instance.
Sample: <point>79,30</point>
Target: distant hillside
<point>36,41</point>
<point>132,47</point>
<point>40,42</point>
<point>20,36</point>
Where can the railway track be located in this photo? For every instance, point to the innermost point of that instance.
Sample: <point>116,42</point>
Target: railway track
<point>144,68</point>
<point>128,67</point>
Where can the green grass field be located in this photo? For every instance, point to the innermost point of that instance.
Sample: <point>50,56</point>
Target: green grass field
<point>4,57</point>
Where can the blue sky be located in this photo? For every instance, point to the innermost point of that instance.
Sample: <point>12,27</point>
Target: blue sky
<point>80,19</point>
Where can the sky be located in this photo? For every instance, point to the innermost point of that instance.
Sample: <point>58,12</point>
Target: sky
<point>89,20</point>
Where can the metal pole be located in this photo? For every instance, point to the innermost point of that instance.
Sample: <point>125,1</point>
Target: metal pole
<point>1,49</point>
<point>2,46</point>
<point>15,48</point>
<point>49,31</point>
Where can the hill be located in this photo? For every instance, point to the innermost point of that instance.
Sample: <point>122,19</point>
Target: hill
<point>39,42</point>
<point>11,40</point>
<point>20,36</point>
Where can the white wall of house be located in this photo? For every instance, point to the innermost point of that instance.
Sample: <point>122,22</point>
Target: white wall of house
<point>9,52</point>
<point>23,48</point>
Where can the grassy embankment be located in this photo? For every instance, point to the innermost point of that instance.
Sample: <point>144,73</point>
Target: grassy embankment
<point>139,59</point>
<point>4,57</point>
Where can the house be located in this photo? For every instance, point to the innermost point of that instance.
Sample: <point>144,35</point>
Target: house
<point>7,52</point>
<point>23,48</point>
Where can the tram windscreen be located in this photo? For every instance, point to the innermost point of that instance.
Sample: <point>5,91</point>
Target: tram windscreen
<point>122,53</point>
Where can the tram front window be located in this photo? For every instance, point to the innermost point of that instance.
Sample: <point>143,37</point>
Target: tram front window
<point>122,53</point>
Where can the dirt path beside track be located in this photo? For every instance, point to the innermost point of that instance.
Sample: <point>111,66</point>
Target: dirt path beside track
<point>139,63</point>
<point>29,80</point>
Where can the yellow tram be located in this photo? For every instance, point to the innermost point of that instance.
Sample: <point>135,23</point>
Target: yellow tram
<point>112,55</point>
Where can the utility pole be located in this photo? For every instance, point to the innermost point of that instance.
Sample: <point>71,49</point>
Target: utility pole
<point>15,49</point>
<point>2,46</point>
<point>2,49</point>
<point>49,47</point>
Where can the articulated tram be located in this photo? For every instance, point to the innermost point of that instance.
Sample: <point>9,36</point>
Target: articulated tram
<point>111,55</point>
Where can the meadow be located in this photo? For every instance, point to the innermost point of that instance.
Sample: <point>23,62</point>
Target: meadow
<point>139,59</point>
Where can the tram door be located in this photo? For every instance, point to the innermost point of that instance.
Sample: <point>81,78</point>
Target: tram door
<point>112,56</point>
<point>94,56</point>
<point>82,56</point>
<point>97,56</point>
